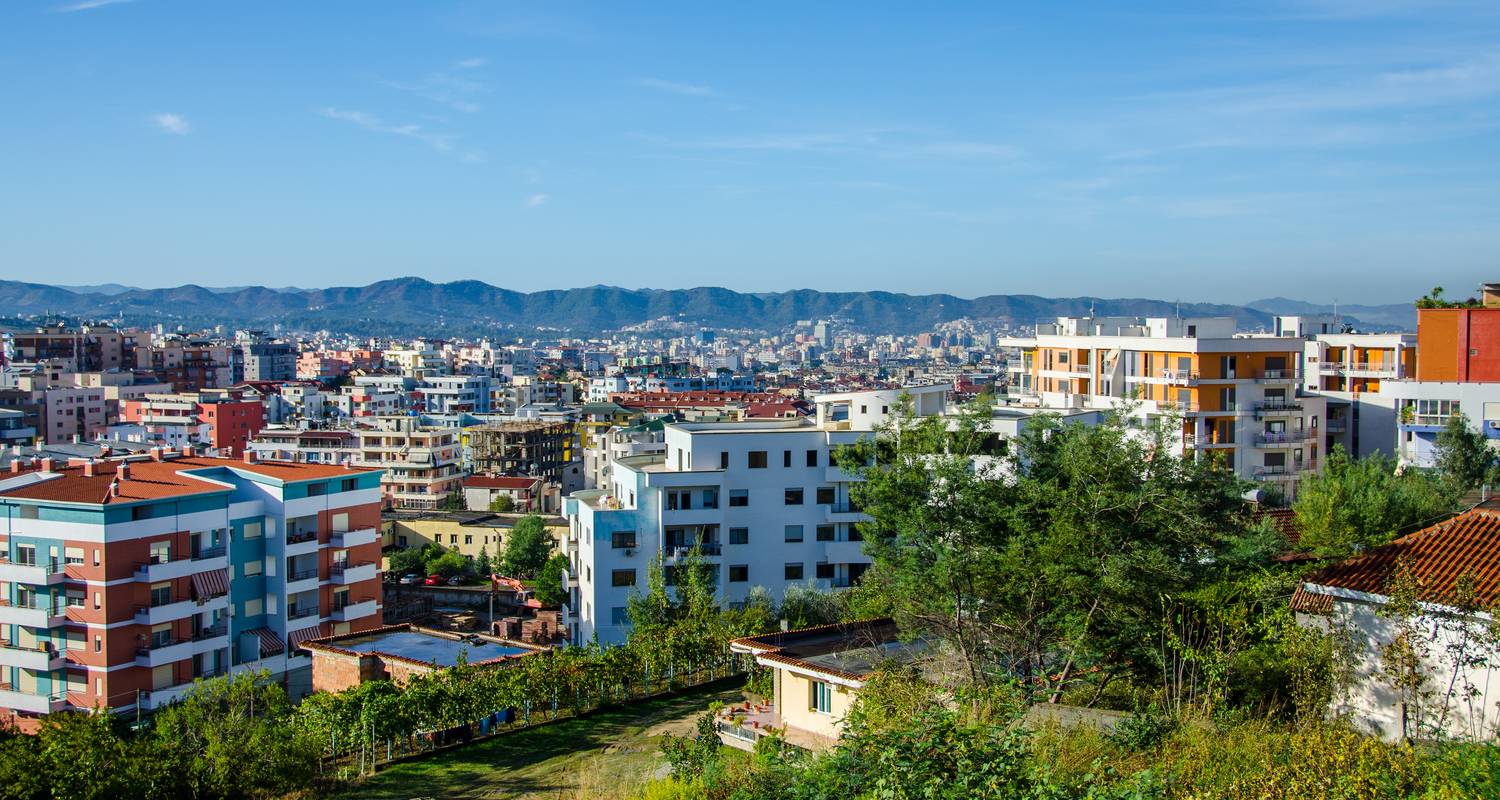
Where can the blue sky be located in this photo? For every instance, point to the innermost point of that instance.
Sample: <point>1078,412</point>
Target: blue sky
<point>1318,149</point>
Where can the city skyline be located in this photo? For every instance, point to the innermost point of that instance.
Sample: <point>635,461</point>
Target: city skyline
<point>1314,150</point>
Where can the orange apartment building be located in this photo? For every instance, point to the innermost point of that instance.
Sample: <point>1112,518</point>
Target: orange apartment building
<point>1237,397</point>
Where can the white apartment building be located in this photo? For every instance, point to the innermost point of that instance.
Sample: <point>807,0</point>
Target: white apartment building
<point>454,394</point>
<point>761,500</point>
<point>420,464</point>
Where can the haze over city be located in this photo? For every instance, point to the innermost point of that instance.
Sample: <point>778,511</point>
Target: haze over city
<point>1220,152</point>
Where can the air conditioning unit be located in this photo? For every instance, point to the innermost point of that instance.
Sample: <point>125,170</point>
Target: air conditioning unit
<point>629,552</point>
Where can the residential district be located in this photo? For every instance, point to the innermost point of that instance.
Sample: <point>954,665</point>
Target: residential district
<point>180,505</point>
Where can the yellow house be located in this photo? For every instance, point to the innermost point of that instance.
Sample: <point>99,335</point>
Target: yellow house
<point>466,532</point>
<point>817,674</point>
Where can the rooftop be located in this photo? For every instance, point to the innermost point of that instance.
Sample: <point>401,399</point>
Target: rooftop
<point>148,479</point>
<point>407,643</point>
<point>1437,556</point>
<point>851,651</point>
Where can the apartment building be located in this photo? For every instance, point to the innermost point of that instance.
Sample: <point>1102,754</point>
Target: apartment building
<point>121,581</point>
<point>311,446</point>
<point>535,448</point>
<point>1349,370</point>
<point>224,421</point>
<point>419,463</point>
<point>13,428</point>
<point>1236,396</point>
<point>264,360</point>
<point>186,365</point>
<point>455,394</point>
<point>417,362</point>
<point>761,500</point>
<point>87,349</point>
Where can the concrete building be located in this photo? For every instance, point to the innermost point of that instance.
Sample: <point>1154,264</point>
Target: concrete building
<point>525,448</point>
<point>1236,397</point>
<point>265,360</point>
<point>455,394</point>
<point>467,532</point>
<point>761,500</point>
<point>187,366</point>
<point>419,464</point>
<point>124,580</point>
<point>222,420</point>
<point>526,494</point>
<point>87,349</point>
<point>310,446</point>
<point>397,653</point>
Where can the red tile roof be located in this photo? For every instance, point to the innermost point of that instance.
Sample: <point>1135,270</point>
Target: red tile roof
<point>156,480</point>
<point>1468,544</point>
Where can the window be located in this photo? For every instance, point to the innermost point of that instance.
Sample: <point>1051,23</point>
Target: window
<point>794,497</point>
<point>317,489</point>
<point>756,459</point>
<point>72,555</point>
<point>739,536</point>
<point>622,539</point>
<point>349,484</point>
<point>98,643</point>
<point>679,500</point>
<point>161,552</point>
<point>794,533</point>
<point>161,594</point>
<point>823,571</point>
<point>252,530</point>
<point>825,495</point>
<point>468,538</point>
<point>786,458</point>
<point>792,572</point>
<point>825,533</point>
<point>252,568</point>
<point>710,498</point>
<point>739,498</point>
<point>622,577</point>
<point>820,697</point>
<point>29,512</point>
<point>812,458</point>
<point>724,460</point>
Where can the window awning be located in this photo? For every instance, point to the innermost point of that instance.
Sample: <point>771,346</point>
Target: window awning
<point>211,584</point>
<point>270,643</point>
<point>298,637</point>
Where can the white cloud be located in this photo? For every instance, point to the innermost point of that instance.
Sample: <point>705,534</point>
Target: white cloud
<point>536,200</point>
<point>441,142</point>
<point>471,63</point>
<point>449,87</point>
<point>673,87</point>
<point>89,4</point>
<point>172,123</point>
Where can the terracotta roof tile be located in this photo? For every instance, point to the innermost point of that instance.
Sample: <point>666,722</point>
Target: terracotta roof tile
<point>1468,544</point>
<point>156,480</point>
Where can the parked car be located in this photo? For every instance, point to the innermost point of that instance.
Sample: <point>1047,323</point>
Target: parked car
<point>410,578</point>
<point>433,580</point>
<point>457,580</point>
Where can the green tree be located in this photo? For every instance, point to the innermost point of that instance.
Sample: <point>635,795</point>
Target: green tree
<point>503,504</point>
<point>527,548</point>
<point>549,590</point>
<point>483,565</point>
<point>1464,457</point>
<point>1363,503</point>
<point>449,563</point>
<point>408,560</point>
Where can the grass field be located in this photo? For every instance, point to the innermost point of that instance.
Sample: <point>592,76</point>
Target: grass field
<point>602,755</point>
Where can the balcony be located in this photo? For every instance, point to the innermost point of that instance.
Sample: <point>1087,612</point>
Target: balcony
<point>1181,377</point>
<point>1180,406</point>
<point>345,574</point>
<point>33,657</point>
<point>346,539</point>
<point>31,702</point>
<point>179,609</point>
<point>207,560</point>
<point>35,613</point>
<point>1284,438</point>
<point>31,571</point>
<point>1277,472</point>
<point>302,580</point>
<point>678,552</point>
<point>1336,426</point>
<point>1374,369</point>
<point>845,552</point>
<point>353,611</point>
<point>1278,376</point>
<point>1277,407</point>
<point>301,543</point>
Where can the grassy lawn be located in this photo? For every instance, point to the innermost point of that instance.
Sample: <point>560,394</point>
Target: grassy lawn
<point>604,755</point>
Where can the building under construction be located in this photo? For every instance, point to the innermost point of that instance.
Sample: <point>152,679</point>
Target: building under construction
<point>538,449</point>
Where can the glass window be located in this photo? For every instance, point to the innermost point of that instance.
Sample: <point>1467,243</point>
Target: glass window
<point>619,615</point>
<point>622,539</point>
<point>823,571</point>
<point>825,495</point>
<point>820,698</point>
<point>756,459</point>
<point>792,572</point>
<point>825,533</point>
<point>739,498</point>
<point>794,497</point>
<point>786,458</point>
<point>622,577</point>
<point>739,573</point>
<point>812,458</point>
<point>739,536</point>
<point>794,533</point>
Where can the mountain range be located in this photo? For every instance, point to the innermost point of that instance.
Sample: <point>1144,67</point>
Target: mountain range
<point>406,306</point>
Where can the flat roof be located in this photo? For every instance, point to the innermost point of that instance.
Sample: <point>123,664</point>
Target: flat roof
<point>427,648</point>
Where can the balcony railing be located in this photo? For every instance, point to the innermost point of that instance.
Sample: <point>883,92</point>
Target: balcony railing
<point>212,632</point>
<point>297,537</point>
<point>1277,406</point>
<point>209,552</point>
<point>299,613</point>
<point>1277,375</point>
<point>1282,471</point>
<point>159,644</point>
<point>704,548</point>
<point>1180,376</point>
<point>302,574</point>
<point>1283,437</point>
<point>1183,406</point>
<point>47,566</point>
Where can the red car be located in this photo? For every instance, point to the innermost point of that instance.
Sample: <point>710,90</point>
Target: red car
<point>433,580</point>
